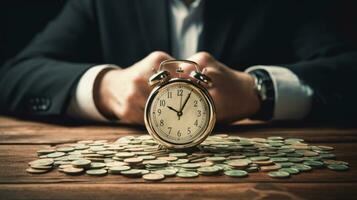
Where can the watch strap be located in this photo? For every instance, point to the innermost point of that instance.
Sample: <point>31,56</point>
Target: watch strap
<point>265,89</point>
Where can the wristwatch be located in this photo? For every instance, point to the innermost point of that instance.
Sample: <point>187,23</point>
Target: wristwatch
<point>265,90</point>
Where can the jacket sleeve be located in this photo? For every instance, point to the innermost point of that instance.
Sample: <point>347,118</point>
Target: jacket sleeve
<point>328,64</point>
<point>40,79</point>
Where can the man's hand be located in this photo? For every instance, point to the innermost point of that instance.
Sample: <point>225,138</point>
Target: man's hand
<point>232,91</point>
<point>122,93</point>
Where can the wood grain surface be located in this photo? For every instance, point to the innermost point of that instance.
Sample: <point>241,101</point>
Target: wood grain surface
<point>19,141</point>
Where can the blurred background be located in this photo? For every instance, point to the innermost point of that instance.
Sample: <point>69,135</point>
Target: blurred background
<point>22,19</point>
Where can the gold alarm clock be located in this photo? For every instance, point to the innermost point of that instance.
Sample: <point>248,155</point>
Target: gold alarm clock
<point>179,112</point>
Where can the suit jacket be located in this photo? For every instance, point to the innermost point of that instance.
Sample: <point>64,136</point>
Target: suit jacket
<point>294,34</point>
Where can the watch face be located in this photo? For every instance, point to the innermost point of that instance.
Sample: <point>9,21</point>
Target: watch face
<point>179,112</point>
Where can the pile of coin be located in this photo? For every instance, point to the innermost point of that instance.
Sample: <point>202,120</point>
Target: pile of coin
<point>219,154</point>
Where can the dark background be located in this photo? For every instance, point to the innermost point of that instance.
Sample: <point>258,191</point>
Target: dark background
<point>21,19</point>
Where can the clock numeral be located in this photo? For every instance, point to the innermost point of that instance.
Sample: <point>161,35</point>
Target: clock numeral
<point>178,133</point>
<point>195,103</point>
<point>180,92</point>
<point>199,113</point>
<point>169,95</point>
<point>196,123</point>
<point>161,122</point>
<point>159,111</point>
<point>162,103</point>
<point>170,128</point>
<point>188,130</point>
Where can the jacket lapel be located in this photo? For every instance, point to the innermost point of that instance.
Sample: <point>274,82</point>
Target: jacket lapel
<point>153,16</point>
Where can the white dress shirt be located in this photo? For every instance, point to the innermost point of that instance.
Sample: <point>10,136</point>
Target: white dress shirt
<point>292,97</point>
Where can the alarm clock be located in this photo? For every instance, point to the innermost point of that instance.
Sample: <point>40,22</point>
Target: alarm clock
<point>179,112</point>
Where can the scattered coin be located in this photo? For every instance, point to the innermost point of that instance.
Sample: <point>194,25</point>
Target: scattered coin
<point>236,173</point>
<point>131,172</point>
<point>279,174</point>
<point>65,149</point>
<point>43,167</point>
<point>139,156</point>
<point>167,172</point>
<point>338,167</point>
<point>55,154</point>
<point>36,171</point>
<point>118,169</point>
<point>97,165</point>
<point>290,170</point>
<point>96,172</point>
<point>45,161</point>
<point>187,174</point>
<point>209,170</point>
<point>302,167</point>
<point>72,170</point>
<point>314,164</point>
<point>153,177</point>
<point>45,151</point>
<point>81,163</point>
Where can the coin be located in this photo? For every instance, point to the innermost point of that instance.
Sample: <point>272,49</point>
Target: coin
<point>270,168</point>
<point>96,172</point>
<point>158,162</point>
<point>45,151</point>
<point>55,155</point>
<point>43,167</point>
<point>290,170</point>
<point>191,165</point>
<point>209,170</point>
<point>168,158</point>
<point>72,170</point>
<point>36,171</point>
<point>338,167</point>
<point>135,156</point>
<point>153,177</point>
<point>259,158</point>
<point>167,172</point>
<point>279,174</point>
<point>65,149</point>
<point>236,173</point>
<point>131,173</point>
<point>187,174</point>
<point>124,155</point>
<point>81,163</point>
<point>338,162</point>
<point>302,167</point>
<point>314,164</point>
<point>97,165</point>
<point>44,161</point>
<point>178,155</point>
<point>239,164</point>
<point>118,169</point>
<point>133,160</point>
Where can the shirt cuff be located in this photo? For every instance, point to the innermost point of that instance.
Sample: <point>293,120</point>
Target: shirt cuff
<point>292,97</point>
<point>82,102</point>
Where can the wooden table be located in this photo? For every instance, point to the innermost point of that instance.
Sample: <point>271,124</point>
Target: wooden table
<point>20,139</point>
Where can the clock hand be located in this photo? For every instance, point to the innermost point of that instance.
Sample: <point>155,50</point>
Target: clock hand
<point>177,112</point>
<point>184,103</point>
<point>173,109</point>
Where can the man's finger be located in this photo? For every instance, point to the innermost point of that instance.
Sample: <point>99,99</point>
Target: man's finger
<point>203,59</point>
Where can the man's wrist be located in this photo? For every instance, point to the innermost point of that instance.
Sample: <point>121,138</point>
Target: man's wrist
<point>82,103</point>
<point>252,105</point>
<point>101,96</point>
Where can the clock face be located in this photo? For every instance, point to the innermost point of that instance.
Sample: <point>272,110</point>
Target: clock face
<point>179,113</point>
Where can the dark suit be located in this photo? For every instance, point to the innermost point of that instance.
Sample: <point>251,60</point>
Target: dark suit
<point>39,81</point>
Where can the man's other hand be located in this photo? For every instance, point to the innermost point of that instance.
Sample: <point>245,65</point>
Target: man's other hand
<point>122,93</point>
<point>232,91</point>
